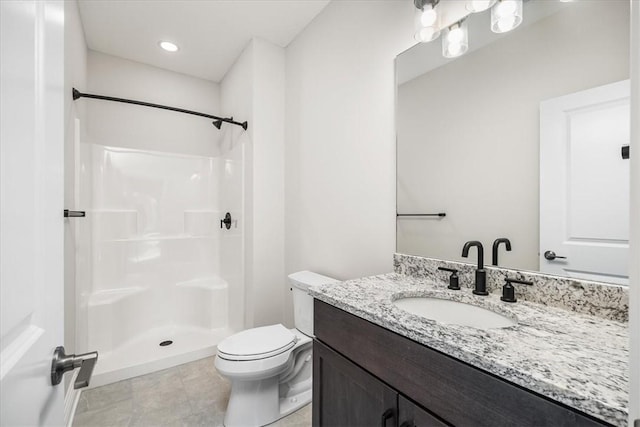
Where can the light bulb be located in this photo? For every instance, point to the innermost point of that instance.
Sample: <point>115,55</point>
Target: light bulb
<point>427,34</point>
<point>429,16</point>
<point>505,8</point>
<point>506,24</point>
<point>456,35</point>
<point>454,49</point>
<point>506,15</point>
<point>456,40</point>
<point>426,24</point>
<point>476,6</point>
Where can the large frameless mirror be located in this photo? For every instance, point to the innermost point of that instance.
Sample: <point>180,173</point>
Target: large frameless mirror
<point>521,138</point>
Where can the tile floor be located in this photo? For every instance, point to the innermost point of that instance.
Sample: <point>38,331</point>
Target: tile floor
<point>193,394</point>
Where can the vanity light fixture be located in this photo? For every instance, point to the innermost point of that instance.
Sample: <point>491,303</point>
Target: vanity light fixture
<point>455,41</point>
<point>475,6</point>
<point>168,46</point>
<point>506,15</point>
<point>426,20</point>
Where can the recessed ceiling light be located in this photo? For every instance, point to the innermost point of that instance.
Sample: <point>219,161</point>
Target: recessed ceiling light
<point>168,46</point>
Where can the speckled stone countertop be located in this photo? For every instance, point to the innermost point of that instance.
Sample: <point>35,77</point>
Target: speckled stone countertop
<point>579,360</point>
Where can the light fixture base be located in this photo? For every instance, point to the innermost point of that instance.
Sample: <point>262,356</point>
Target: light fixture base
<point>419,4</point>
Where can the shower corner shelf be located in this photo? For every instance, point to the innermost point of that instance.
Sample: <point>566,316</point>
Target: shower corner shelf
<point>108,210</point>
<point>209,283</point>
<point>110,296</point>
<point>165,237</point>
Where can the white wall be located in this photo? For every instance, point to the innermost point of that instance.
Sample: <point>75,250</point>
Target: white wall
<point>340,139</point>
<point>469,136</point>
<point>75,75</point>
<point>269,277</point>
<point>253,90</point>
<point>132,126</point>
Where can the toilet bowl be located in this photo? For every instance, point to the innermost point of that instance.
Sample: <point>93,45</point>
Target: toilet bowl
<point>270,367</point>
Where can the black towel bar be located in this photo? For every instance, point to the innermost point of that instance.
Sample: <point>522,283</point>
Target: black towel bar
<point>74,214</point>
<point>440,214</point>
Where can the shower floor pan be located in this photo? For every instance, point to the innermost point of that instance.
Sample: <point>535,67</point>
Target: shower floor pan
<point>144,354</point>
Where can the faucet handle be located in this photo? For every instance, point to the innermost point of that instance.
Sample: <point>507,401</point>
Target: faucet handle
<point>509,292</point>
<point>454,283</point>
<point>522,282</point>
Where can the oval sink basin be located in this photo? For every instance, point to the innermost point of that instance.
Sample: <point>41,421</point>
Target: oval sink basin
<point>454,312</point>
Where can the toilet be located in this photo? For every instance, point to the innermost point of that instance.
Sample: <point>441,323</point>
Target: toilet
<point>270,367</point>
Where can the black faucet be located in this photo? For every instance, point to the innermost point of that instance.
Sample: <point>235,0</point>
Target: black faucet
<point>496,243</point>
<point>481,275</point>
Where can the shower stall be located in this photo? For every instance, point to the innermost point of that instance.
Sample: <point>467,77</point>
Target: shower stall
<point>160,275</point>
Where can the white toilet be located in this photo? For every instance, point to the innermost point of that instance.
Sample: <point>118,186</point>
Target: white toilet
<point>270,367</point>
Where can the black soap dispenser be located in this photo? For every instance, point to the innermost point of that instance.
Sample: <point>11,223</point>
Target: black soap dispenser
<point>454,283</point>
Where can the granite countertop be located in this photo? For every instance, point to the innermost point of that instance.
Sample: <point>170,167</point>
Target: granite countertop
<point>579,360</point>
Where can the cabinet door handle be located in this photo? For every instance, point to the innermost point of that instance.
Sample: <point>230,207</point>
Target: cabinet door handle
<point>408,424</point>
<point>385,416</point>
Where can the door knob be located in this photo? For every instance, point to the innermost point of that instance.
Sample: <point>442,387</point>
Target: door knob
<point>63,363</point>
<point>226,221</point>
<point>550,255</point>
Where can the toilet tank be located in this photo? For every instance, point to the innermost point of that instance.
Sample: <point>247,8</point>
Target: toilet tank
<point>302,301</point>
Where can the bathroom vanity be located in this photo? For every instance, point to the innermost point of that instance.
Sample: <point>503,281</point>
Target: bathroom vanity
<point>375,364</point>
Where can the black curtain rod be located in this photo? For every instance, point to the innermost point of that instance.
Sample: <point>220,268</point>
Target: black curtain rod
<point>217,121</point>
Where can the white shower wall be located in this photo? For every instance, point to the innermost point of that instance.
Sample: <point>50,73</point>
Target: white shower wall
<point>155,261</point>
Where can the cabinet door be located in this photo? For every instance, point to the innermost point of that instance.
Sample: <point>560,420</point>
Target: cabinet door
<point>346,395</point>
<point>412,415</point>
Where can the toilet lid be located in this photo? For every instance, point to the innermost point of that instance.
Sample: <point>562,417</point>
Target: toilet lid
<point>257,343</point>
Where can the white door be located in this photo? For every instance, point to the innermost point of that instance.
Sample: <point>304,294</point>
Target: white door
<point>584,184</point>
<point>31,211</point>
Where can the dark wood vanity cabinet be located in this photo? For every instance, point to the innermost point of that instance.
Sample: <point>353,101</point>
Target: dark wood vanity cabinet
<point>350,396</point>
<point>366,375</point>
<point>410,414</point>
<point>346,395</point>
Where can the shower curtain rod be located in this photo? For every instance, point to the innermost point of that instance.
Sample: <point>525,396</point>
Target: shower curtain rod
<point>217,121</point>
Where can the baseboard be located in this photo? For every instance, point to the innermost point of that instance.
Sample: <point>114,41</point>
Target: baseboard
<point>71,399</point>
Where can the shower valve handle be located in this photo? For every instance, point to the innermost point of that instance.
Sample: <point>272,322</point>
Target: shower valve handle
<point>63,363</point>
<point>226,221</point>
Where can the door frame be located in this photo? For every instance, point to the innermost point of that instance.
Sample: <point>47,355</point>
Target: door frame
<point>634,234</point>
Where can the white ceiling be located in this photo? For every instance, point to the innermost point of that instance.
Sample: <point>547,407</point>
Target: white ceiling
<point>210,33</point>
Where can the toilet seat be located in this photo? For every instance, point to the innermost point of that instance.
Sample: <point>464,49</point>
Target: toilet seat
<point>257,343</point>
